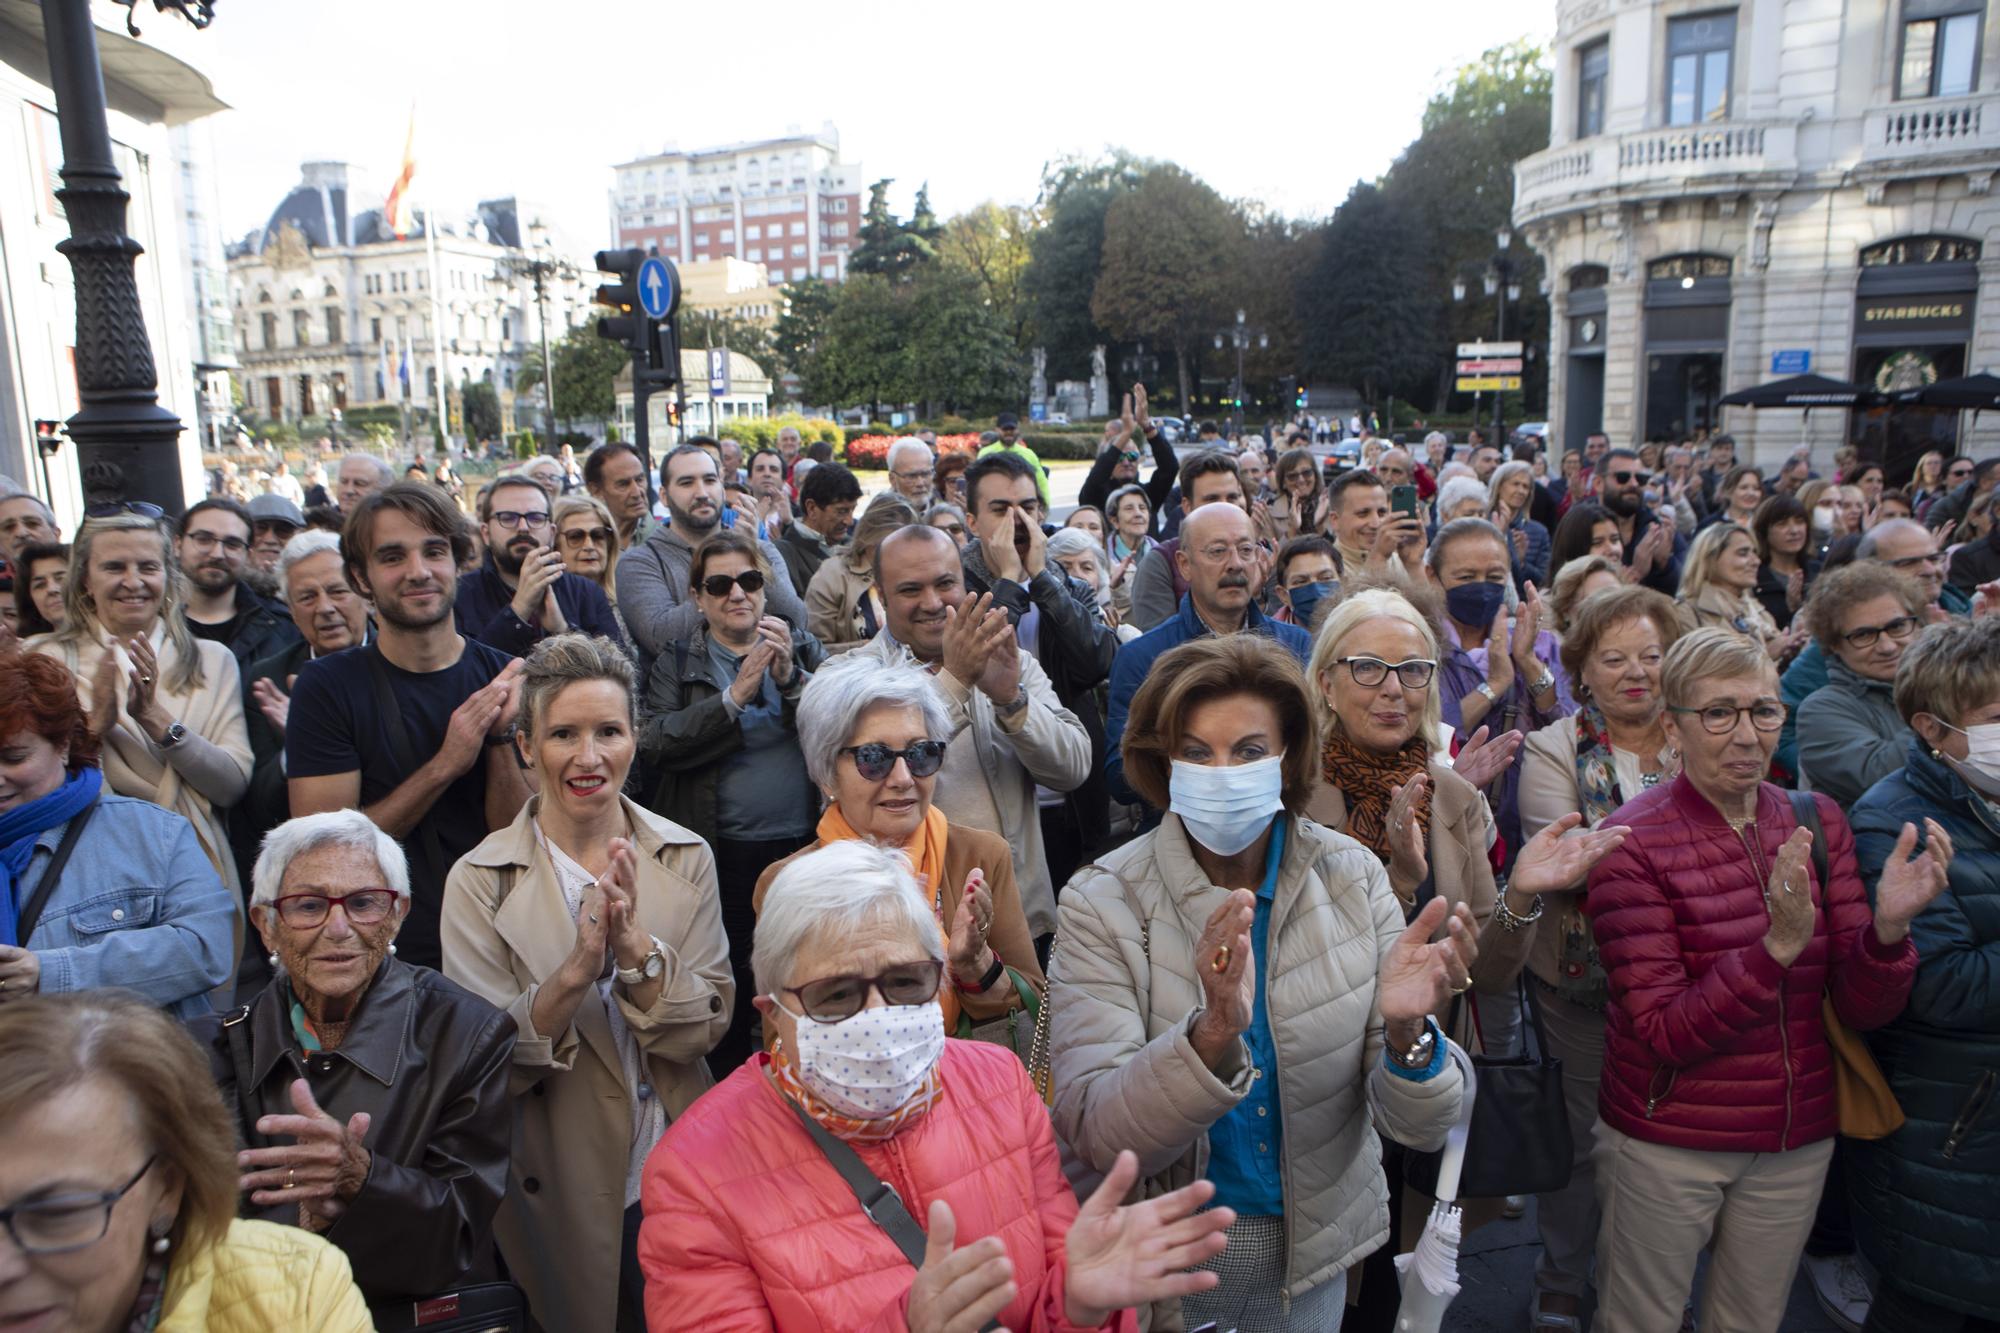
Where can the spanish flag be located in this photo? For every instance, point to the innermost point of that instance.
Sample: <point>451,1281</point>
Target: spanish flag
<point>397,212</point>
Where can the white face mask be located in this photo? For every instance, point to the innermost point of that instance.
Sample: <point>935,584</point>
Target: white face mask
<point>1981,766</point>
<point>869,1065</point>
<point>1823,517</point>
<point>1225,809</point>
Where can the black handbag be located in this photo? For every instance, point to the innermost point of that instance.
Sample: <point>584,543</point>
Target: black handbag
<point>1519,1141</point>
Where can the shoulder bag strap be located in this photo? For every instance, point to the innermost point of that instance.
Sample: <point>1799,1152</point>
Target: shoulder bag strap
<point>1806,810</point>
<point>236,1037</point>
<point>31,911</point>
<point>877,1197</point>
<point>406,758</point>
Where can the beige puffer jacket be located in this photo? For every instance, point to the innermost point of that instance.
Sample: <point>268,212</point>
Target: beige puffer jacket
<point>1124,995</point>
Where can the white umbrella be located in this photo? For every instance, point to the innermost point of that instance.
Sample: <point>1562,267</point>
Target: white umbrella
<point>1430,1272</point>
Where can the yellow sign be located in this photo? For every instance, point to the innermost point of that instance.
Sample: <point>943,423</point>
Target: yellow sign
<point>1489,383</point>
<point>1939,310</point>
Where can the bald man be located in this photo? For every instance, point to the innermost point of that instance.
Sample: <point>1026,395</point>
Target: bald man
<point>1225,568</point>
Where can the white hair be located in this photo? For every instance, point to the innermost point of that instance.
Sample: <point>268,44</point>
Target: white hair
<point>1457,491</point>
<point>845,688</point>
<point>382,469</point>
<point>332,828</point>
<point>16,493</point>
<point>1069,542</point>
<point>826,895</point>
<point>1436,437</point>
<point>305,545</point>
<point>908,444</point>
<point>800,468</point>
<point>1455,469</point>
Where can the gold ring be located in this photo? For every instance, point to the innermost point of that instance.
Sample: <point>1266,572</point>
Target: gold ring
<point>291,1178</point>
<point>1460,990</point>
<point>1221,963</point>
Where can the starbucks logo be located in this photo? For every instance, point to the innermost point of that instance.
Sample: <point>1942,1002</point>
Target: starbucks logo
<point>1905,371</point>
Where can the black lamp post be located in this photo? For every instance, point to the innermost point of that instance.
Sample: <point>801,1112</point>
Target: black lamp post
<point>127,445</point>
<point>1241,336</point>
<point>1502,281</point>
<point>542,269</point>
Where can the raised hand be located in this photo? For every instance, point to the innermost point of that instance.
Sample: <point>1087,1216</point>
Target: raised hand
<point>774,631</point>
<point>1551,862</point>
<point>1418,977</point>
<point>620,888</point>
<point>142,702</point>
<point>1037,558</point>
<point>1481,760</point>
<point>1223,962</point>
<point>1140,1253</point>
<point>539,572</point>
<point>107,686</point>
<point>750,673</point>
<point>958,1290</point>
<point>1409,859</point>
<point>272,702</point>
<point>1907,887</point>
<point>323,1169</point>
<point>1788,897</point>
<point>965,651</point>
<point>970,924</point>
<point>1140,415</point>
<point>1527,628</point>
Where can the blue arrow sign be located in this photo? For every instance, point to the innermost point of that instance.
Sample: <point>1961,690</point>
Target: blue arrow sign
<point>656,288</point>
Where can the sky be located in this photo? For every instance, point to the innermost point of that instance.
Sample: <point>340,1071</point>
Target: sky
<point>1288,103</point>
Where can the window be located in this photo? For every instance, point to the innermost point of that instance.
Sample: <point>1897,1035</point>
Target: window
<point>333,326</point>
<point>1593,64</point>
<point>798,252</point>
<point>301,328</point>
<point>506,328</point>
<point>840,229</point>
<point>798,229</point>
<point>728,236</point>
<point>799,273</point>
<point>840,205</point>
<point>829,271</point>
<point>753,232</point>
<point>1940,48</point>
<point>268,323</point>
<point>375,330</point>
<point>1698,50</point>
<point>754,254</point>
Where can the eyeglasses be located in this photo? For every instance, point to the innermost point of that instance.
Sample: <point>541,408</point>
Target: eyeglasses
<point>1368,672</point>
<point>108,508</point>
<point>534,520</point>
<point>1912,561</point>
<point>587,537</point>
<point>266,526</point>
<point>1216,552</point>
<point>832,999</point>
<point>1721,719</point>
<point>1623,477</point>
<point>718,585</point>
<point>208,541</point>
<point>1902,627</point>
<point>923,474</point>
<point>364,907</point>
<point>65,1222</point>
<point>1959,470</point>
<point>875,760</point>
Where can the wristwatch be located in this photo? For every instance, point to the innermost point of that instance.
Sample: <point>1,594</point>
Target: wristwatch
<point>1547,680</point>
<point>1418,1056</point>
<point>1019,702</point>
<point>985,983</point>
<point>176,733</point>
<point>650,967</point>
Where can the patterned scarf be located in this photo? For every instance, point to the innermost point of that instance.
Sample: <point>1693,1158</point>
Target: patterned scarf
<point>1365,777</point>
<point>847,1127</point>
<point>1596,781</point>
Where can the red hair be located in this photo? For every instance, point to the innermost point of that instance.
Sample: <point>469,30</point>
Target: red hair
<point>38,694</point>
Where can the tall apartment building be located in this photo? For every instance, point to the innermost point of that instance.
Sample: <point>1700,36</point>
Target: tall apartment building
<point>1732,192</point>
<point>789,204</point>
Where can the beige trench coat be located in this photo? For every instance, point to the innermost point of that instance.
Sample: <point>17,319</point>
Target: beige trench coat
<point>505,930</point>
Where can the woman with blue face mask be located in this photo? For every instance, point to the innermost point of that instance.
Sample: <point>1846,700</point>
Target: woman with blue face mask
<point>1230,992</point>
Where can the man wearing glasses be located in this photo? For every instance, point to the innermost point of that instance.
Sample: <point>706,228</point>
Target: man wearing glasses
<point>521,593</point>
<point>213,549</point>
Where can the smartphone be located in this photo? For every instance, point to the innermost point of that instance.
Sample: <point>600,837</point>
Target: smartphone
<point>1403,499</point>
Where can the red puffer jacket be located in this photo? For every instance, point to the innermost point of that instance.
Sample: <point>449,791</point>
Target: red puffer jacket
<point>748,1226</point>
<point>1709,1044</point>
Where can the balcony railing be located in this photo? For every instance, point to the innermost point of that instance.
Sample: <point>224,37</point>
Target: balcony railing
<point>1938,129</point>
<point>1689,159</point>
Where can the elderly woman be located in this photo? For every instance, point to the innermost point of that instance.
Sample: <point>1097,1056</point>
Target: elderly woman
<point>1720,940</point>
<point>99,890</point>
<point>118,1188</point>
<point>1236,990</point>
<point>1461,497</point>
<point>752,1215</point>
<point>1613,747</point>
<point>1575,583</point>
<point>594,923</point>
<point>40,574</point>
<point>1785,567</point>
<point>1083,558</point>
<point>371,1095</point>
<point>1130,512</point>
<point>167,706</point>
<point>874,738</point>
<point>843,609</point>
<point>587,540</point>
<point>720,724</point>
<point>950,519</point>
<point>1851,734</point>
<point>1717,584</point>
<point>1509,493</point>
<point>1925,1198</point>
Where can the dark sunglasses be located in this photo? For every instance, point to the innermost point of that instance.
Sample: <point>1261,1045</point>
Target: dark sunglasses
<point>284,528</point>
<point>718,585</point>
<point>832,999</point>
<point>1622,477</point>
<point>107,508</point>
<point>875,760</point>
<point>580,536</point>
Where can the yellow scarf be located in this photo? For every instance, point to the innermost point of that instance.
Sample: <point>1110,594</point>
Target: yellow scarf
<point>925,849</point>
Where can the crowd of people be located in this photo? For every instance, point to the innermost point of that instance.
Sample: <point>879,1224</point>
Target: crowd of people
<point>692,893</point>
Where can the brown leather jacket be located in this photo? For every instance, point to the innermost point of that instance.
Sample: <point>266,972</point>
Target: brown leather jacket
<point>428,1061</point>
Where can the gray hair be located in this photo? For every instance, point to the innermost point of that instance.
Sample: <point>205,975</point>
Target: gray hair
<point>383,471</point>
<point>846,687</point>
<point>906,444</point>
<point>1458,529</point>
<point>304,546</point>
<point>16,493</point>
<point>1457,491</point>
<point>563,660</point>
<point>828,894</point>
<point>1436,437</point>
<point>1871,540</point>
<point>1503,474</point>
<point>332,828</point>
<point>1074,542</point>
<point>1455,469</point>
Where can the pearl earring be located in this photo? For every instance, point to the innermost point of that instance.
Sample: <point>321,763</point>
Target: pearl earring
<point>160,1243</point>
<point>272,958</point>
<point>392,951</point>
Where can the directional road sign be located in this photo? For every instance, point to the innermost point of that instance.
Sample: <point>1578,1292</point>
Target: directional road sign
<point>1489,383</point>
<point>656,288</point>
<point>1492,365</point>
<point>1490,349</point>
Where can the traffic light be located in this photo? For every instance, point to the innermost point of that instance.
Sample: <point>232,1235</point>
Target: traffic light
<point>1299,399</point>
<point>627,326</point>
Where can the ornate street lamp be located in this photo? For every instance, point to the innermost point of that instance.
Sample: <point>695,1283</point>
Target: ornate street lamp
<point>1241,336</point>
<point>542,268</point>
<point>1501,279</point>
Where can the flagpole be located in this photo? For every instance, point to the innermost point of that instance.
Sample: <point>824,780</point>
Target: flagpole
<point>437,318</point>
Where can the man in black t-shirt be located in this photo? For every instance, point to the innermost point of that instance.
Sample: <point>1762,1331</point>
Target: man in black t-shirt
<point>213,548</point>
<point>412,729</point>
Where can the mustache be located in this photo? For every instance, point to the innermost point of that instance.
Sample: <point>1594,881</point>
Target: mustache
<point>1234,581</point>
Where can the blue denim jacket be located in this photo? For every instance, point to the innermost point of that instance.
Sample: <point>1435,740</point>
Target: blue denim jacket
<point>139,907</point>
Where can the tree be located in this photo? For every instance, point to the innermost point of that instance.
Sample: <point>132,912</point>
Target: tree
<point>717,328</point>
<point>482,411</point>
<point>1065,253</point>
<point>859,358</point>
<point>992,242</point>
<point>887,247</point>
<point>586,365</point>
<point>808,306</point>
<point>923,223</point>
<point>1171,246</point>
<point>960,354</point>
<point>1354,304</point>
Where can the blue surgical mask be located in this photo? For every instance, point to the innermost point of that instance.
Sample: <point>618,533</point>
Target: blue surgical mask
<point>1225,809</point>
<point>1476,604</point>
<point>1307,596</point>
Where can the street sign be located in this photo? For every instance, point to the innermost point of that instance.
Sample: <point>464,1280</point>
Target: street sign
<point>1490,349</point>
<point>1038,411</point>
<point>1791,361</point>
<point>1489,383</point>
<point>1494,365</point>
<point>656,288</point>
<point>718,372</point>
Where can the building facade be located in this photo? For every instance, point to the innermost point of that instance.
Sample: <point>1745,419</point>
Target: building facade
<point>732,287</point>
<point>1736,193</point>
<point>711,401</point>
<point>333,311</point>
<point>789,204</point>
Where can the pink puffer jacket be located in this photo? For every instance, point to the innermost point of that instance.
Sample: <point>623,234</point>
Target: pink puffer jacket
<point>749,1227</point>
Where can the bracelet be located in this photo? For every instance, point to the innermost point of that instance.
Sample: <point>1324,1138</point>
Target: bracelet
<point>1547,681</point>
<point>1486,691</point>
<point>985,983</point>
<point>1508,921</point>
<point>504,738</point>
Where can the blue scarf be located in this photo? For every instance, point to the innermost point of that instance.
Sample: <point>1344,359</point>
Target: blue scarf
<point>23,824</point>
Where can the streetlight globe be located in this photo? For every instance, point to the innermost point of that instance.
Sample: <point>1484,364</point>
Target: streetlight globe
<point>1218,342</point>
<point>1492,283</point>
<point>1239,316</point>
<point>1513,291</point>
<point>1263,340</point>
<point>1503,238</point>
<point>1458,289</point>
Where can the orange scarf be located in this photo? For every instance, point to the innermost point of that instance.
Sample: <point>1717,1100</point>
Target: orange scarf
<point>926,852</point>
<point>1365,777</point>
<point>847,1127</point>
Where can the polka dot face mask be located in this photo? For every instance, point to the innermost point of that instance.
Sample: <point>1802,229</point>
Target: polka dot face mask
<point>872,1064</point>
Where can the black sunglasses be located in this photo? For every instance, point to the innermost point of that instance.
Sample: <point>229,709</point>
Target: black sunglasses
<point>875,760</point>
<point>832,999</point>
<point>718,585</point>
<point>107,508</point>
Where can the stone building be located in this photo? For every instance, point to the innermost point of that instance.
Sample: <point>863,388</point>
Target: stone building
<point>1732,194</point>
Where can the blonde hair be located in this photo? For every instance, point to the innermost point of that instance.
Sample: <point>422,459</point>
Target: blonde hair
<point>563,660</point>
<point>1712,653</point>
<point>569,506</point>
<point>1566,588</point>
<point>80,622</point>
<point>1348,615</point>
<point>1703,553</point>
